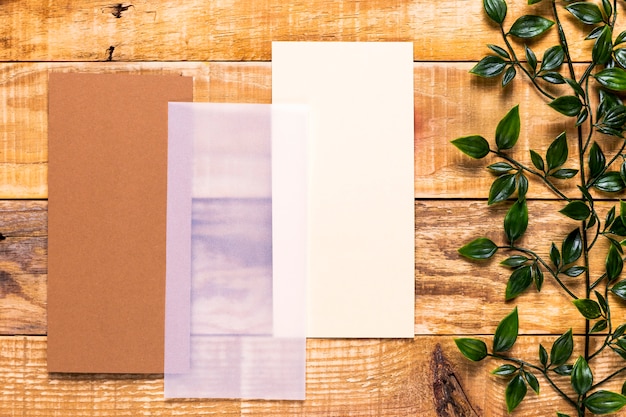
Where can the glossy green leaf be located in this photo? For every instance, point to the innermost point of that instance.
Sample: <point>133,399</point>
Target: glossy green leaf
<point>489,66</point>
<point>496,10</point>
<point>531,58</point>
<point>588,308</point>
<point>508,129</point>
<point>608,8</point>
<point>534,1</point>
<point>610,216</point>
<point>514,261</point>
<point>613,263</point>
<point>518,282</point>
<point>622,209</point>
<point>506,332</point>
<point>522,187</point>
<point>562,349</point>
<point>557,152</point>
<point>600,325</point>
<point>529,26</point>
<point>597,160</point>
<point>515,392</point>
<point>502,188</point>
<point>612,78</point>
<point>537,276</point>
<point>543,356</point>
<point>552,58</point>
<point>475,146</point>
<point>504,370</point>
<point>602,48</point>
<point>619,290</point>
<point>553,77</point>
<point>509,74</point>
<point>516,221</point>
<point>574,271</point>
<point>582,117</point>
<point>532,381</point>
<point>575,86</point>
<point>624,388</point>
<point>620,38</point>
<point>555,255</point>
<point>602,302</point>
<point>587,13</point>
<point>567,105</point>
<point>562,414</point>
<point>620,56</point>
<point>500,51</point>
<point>473,349</point>
<point>576,210</point>
<point>617,227</point>
<point>572,247</point>
<point>537,160</point>
<point>564,173</point>
<point>610,182</point>
<point>481,248</point>
<point>615,117</point>
<point>500,167</point>
<point>619,331</point>
<point>582,378</point>
<point>622,171</point>
<point>604,402</point>
<point>595,32</point>
<point>563,370</point>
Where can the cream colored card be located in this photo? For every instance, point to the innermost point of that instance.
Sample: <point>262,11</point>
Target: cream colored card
<point>360,185</point>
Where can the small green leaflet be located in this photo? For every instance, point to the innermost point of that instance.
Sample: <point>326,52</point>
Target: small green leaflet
<point>529,26</point>
<point>473,349</point>
<point>481,248</point>
<point>506,332</point>
<point>475,146</point>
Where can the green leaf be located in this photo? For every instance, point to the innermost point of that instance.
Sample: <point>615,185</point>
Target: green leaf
<point>562,349</point>
<point>597,160</point>
<point>516,221</point>
<point>475,146</point>
<point>518,282</point>
<point>522,187</point>
<point>610,182</point>
<point>620,38</point>
<point>500,167</point>
<point>567,105</point>
<point>531,58</point>
<point>587,13</point>
<point>537,276</point>
<point>602,48</point>
<point>619,331</point>
<point>489,66</point>
<point>622,209</point>
<point>553,77</point>
<point>563,370</point>
<point>532,381</point>
<point>624,388</point>
<point>481,248</point>
<point>534,1</point>
<point>604,402</point>
<point>618,227</point>
<point>500,51</point>
<point>612,78</point>
<point>576,210</point>
<point>501,189</point>
<point>555,255</point>
<point>509,74</point>
<point>504,370</point>
<point>610,216</point>
<point>602,301</point>
<point>572,247</point>
<point>530,26</point>
<point>582,378</point>
<point>552,58</point>
<point>620,56</point>
<point>508,129</point>
<point>619,290</point>
<point>588,308</point>
<point>496,10</point>
<point>506,332</point>
<point>562,414</point>
<point>537,160</point>
<point>574,271</point>
<point>608,9</point>
<point>515,392</point>
<point>514,261</point>
<point>615,117</point>
<point>582,116</point>
<point>473,349</point>
<point>543,355</point>
<point>575,86</point>
<point>557,152</point>
<point>614,263</point>
<point>599,326</point>
<point>622,171</point>
<point>564,173</point>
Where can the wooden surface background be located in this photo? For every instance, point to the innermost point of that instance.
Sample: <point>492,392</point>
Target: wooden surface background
<point>226,46</point>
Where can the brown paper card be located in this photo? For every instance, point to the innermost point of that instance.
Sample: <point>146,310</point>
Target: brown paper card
<point>107,216</point>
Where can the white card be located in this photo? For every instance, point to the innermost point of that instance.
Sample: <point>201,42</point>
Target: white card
<point>360,186</point>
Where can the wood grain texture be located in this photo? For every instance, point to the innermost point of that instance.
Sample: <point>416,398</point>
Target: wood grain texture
<point>363,377</point>
<point>234,30</point>
<point>449,103</point>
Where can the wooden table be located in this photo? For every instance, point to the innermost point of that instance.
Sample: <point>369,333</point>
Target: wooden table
<point>226,46</point>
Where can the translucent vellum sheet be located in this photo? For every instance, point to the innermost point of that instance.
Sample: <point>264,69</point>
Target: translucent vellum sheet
<point>236,262</point>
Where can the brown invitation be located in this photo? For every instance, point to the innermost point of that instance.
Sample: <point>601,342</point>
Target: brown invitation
<point>107,217</point>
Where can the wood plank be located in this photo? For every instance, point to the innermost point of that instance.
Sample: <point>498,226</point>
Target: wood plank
<point>226,30</point>
<point>449,103</point>
<point>467,297</point>
<point>424,376</point>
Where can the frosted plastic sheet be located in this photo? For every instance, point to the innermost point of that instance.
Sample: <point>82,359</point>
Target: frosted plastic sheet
<point>236,266</point>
